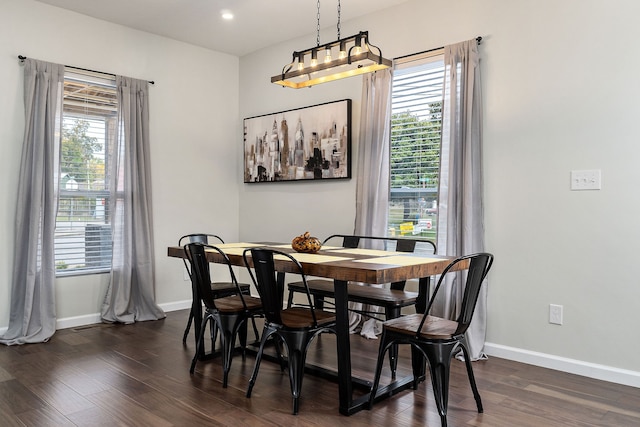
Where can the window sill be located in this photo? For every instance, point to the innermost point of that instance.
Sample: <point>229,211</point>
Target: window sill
<point>71,273</point>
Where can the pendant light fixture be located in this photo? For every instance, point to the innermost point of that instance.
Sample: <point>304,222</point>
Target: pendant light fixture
<point>345,57</point>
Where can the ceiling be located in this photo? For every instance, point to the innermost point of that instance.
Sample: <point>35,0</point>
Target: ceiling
<point>256,23</point>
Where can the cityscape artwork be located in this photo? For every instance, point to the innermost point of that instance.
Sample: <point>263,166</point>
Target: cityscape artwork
<point>309,143</point>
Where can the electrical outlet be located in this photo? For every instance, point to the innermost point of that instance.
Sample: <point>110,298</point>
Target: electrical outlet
<point>555,314</point>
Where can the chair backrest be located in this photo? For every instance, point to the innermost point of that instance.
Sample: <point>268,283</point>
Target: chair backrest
<point>399,244</point>
<point>479,265</point>
<point>271,289</point>
<point>197,256</point>
<point>204,238</point>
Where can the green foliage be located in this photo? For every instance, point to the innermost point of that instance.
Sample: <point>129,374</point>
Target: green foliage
<point>76,153</point>
<point>415,148</point>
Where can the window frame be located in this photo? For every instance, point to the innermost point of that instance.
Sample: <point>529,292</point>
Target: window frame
<point>419,213</point>
<point>89,96</point>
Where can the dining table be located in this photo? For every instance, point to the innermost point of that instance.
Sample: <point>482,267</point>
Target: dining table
<point>345,265</point>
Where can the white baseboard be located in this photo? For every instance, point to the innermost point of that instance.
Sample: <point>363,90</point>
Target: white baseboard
<point>572,366</point>
<point>90,319</point>
<point>93,318</point>
<point>176,305</point>
<point>74,322</point>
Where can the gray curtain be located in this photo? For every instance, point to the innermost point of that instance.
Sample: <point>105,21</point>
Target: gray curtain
<point>32,316</point>
<point>372,186</point>
<point>131,293</point>
<point>460,208</point>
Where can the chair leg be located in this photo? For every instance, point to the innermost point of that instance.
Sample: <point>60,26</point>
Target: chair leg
<point>392,313</point>
<point>200,342</point>
<point>439,356</point>
<point>242,335</point>
<point>253,321</point>
<point>186,331</point>
<point>418,366</point>
<point>266,333</point>
<point>277,345</point>
<point>296,372</point>
<point>214,336</point>
<point>296,342</point>
<point>255,328</point>
<point>229,326</point>
<point>385,342</point>
<point>472,379</point>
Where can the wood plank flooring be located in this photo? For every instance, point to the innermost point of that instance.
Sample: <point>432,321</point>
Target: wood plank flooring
<point>138,375</point>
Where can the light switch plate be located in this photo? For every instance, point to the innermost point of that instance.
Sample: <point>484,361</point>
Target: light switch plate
<point>586,180</point>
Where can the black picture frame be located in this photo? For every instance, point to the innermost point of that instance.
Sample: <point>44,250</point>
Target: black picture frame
<point>303,144</point>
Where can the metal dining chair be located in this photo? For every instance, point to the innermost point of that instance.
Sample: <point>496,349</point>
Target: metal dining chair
<point>437,339</point>
<point>295,327</point>
<point>228,315</point>
<point>218,289</point>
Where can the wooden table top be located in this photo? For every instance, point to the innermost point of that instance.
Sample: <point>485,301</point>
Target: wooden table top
<point>358,265</point>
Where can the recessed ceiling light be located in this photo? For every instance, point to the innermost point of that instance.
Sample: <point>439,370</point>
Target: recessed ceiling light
<point>226,14</point>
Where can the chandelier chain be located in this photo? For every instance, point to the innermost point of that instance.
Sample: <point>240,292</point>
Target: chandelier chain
<point>318,26</point>
<point>338,25</point>
<point>318,22</point>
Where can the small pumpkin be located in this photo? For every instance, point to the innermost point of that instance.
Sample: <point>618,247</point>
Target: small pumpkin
<point>306,243</point>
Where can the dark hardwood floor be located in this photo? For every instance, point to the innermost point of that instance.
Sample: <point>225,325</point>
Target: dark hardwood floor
<point>138,375</point>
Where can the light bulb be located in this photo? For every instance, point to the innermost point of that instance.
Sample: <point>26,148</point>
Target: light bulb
<point>314,58</point>
<point>343,50</point>
<point>327,56</point>
<point>357,49</point>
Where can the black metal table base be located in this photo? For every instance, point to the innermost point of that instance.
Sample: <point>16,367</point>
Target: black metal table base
<point>359,403</point>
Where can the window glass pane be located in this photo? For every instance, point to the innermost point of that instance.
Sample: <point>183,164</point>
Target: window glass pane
<point>415,146</point>
<point>83,228</point>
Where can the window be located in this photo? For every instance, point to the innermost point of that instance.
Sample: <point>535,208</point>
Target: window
<point>83,226</point>
<point>416,122</point>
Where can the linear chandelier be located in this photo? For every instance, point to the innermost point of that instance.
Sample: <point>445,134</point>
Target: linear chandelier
<point>339,59</point>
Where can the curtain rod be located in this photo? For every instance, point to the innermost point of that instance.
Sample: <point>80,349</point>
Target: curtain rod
<point>478,40</point>
<point>22,58</point>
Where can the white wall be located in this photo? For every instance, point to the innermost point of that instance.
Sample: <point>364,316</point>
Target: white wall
<point>194,112</point>
<point>560,93</point>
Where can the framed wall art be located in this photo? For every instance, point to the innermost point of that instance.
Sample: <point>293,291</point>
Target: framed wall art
<point>308,143</point>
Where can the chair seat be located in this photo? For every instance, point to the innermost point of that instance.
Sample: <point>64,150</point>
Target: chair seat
<point>435,328</point>
<point>233,304</point>
<point>360,293</point>
<point>300,318</point>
